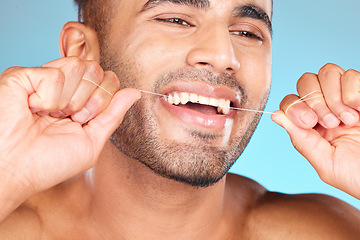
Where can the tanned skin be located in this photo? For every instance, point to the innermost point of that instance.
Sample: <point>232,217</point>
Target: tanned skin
<point>62,178</point>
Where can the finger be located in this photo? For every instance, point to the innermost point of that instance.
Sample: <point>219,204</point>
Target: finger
<point>90,81</point>
<point>350,86</point>
<point>100,98</point>
<point>73,69</point>
<point>330,81</point>
<point>309,143</point>
<point>102,126</point>
<point>42,87</point>
<point>309,88</point>
<point>298,112</point>
<point>47,89</point>
<point>25,89</point>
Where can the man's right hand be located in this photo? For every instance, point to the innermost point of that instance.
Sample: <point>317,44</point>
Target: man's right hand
<point>54,122</point>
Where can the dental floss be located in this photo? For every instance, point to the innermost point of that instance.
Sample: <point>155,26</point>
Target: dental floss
<point>303,99</point>
<point>98,86</point>
<point>153,93</point>
<point>239,109</point>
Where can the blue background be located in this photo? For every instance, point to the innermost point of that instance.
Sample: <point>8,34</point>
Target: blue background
<point>307,35</point>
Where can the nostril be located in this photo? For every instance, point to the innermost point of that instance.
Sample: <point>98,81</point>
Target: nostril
<point>229,71</point>
<point>203,63</point>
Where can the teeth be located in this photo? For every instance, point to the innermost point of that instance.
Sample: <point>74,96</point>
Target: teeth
<point>170,99</point>
<point>176,99</point>
<point>226,109</point>
<point>204,100</point>
<point>214,102</point>
<point>219,110</point>
<point>184,98</point>
<point>223,105</point>
<point>194,98</point>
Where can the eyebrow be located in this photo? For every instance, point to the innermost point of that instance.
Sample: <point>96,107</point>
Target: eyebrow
<point>199,4</point>
<point>248,10</point>
<point>252,11</point>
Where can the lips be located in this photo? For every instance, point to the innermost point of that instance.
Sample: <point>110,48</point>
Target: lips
<point>201,104</point>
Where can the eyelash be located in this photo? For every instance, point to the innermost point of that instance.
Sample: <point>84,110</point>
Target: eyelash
<point>247,34</point>
<point>177,21</point>
<point>181,22</point>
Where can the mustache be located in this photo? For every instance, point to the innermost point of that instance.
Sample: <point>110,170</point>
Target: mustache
<point>191,75</point>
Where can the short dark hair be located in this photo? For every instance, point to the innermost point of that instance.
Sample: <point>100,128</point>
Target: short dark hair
<point>96,14</point>
<point>81,6</point>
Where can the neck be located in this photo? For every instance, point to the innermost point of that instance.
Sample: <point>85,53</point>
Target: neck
<point>132,200</point>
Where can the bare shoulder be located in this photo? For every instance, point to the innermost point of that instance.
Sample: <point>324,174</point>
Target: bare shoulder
<point>307,216</point>
<point>312,216</point>
<point>52,214</point>
<point>24,221</point>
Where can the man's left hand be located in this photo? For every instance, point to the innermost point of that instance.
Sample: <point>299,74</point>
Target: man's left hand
<point>324,127</point>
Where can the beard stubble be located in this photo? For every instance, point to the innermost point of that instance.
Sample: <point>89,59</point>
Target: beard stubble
<point>198,165</point>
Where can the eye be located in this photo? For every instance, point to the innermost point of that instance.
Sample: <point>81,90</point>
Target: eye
<point>177,21</point>
<point>247,34</point>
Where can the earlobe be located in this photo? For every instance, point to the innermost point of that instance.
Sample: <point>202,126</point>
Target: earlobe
<point>78,40</point>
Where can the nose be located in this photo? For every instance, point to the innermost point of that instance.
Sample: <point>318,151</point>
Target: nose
<point>214,50</point>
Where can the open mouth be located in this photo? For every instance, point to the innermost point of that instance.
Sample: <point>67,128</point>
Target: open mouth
<point>203,104</point>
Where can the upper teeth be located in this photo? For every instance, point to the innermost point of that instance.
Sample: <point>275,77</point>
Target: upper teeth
<point>223,105</point>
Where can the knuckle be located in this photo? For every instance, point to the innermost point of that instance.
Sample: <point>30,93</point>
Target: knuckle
<point>305,79</point>
<point>287,101</point>
<point>351,73</point>
<point>351,99</point>
<point>328,69</point>
<point>94,70</point>
<point>57,75</point>
<point>99,101</point>
<point>76,64</point>
<point>308,75</point>
<point>11,74</point>
<point>11,70</point>
<point>75,61</point>
<point>113,80</point>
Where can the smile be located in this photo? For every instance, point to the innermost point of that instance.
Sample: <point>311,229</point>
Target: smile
<point>201,104</point>
<point>204,104</point>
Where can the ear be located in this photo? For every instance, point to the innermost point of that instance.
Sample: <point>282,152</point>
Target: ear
<point>78,40</point>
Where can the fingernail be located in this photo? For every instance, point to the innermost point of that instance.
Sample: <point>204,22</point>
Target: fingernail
<point>330,120</point>
<point>82,116</point>
<point>113,74</point>
<point>348,118</point>
<point>307,117</point>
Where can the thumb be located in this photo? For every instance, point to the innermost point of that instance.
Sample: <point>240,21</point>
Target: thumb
<point>308,142</point>
<point>100,128</point>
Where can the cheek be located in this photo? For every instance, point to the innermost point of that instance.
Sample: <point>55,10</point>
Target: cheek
<point>154,53</point>
<point>256,74</point>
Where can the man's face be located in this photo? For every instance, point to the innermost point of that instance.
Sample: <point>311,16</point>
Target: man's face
<point>216,52</point>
